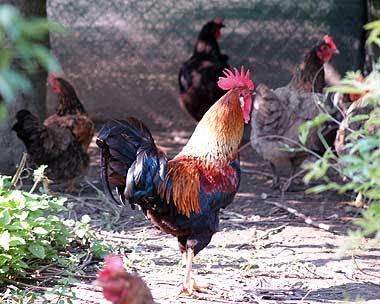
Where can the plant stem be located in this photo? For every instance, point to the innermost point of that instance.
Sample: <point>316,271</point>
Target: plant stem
<point>20,168</point>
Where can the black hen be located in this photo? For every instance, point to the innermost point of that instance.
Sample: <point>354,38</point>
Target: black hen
<point>198,76</point>
<point>51,145</point>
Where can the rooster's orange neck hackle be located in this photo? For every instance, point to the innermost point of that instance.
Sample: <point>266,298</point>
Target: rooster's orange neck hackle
<point>218,135</point>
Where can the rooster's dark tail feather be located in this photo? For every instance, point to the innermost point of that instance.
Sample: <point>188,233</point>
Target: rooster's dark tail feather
<point>130,160</point>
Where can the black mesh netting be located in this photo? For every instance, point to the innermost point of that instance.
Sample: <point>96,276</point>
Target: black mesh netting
<point>123,56</point>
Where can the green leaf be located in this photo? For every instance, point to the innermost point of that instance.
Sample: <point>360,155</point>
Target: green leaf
<point>85,219</point>
<point>5,218</point>
<point>81,232</point>
<point>24,215</point>
<point>8,16</point>
<point>15,240</point>
<point>4,258</point>
<point>372,25</point>
<point>4,269</point>
<point>36,205</point>
<point>344,89</point>
<point>40,230</point>
<point>374,193</point>
<point>359,117</point>
<point>18,198</point>
<point>37,250</point>
<point>3,111</point>
<point>4,240</point>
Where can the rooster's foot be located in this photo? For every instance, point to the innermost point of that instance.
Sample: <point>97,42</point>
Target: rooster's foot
<point>188,289</point>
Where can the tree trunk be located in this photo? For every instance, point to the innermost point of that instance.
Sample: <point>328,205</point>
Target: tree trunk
<point>35,100</point>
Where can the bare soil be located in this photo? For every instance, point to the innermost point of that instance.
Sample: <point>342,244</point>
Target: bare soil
<point>264,252</point>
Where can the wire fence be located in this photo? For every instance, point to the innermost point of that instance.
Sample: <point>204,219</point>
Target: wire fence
<point>123,56</point>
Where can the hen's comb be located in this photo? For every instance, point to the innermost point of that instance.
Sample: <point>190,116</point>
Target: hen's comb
<point>330,41</point>
<point>113,263</point>
<point>52,77</point>
<point>236,80</point>
<point>218,20</point>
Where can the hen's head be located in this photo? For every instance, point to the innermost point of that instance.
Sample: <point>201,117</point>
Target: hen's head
<point>212,29</point>
<point>120,286</point>
<point>326,49</point>
<point>53,82</point>
<point>240,82</point>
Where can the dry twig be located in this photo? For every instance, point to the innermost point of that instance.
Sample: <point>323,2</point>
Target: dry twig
<point>361,270</point>
<point>298,214</point>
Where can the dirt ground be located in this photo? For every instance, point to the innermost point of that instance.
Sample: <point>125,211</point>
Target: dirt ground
<point>264,253</point>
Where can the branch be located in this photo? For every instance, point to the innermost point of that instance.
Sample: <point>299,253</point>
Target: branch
<point>302,216</point>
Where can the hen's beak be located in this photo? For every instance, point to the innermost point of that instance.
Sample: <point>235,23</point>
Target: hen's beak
<point>336,51</point>
<point>97,283</point>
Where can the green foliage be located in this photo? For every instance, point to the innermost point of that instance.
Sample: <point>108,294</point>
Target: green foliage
<point>360,162</point>
<point>25,232</point>
<point>21,50</point>
<point>305,128</point>
<point>31,233</point>
<point>374,27</point>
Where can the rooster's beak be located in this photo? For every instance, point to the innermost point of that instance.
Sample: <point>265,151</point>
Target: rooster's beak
<point>336,51</point>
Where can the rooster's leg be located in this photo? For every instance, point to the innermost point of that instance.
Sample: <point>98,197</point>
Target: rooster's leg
<point>184,258</point>
<point>189,284</point>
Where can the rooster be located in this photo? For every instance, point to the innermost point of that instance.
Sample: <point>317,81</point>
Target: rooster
<point>121,287</point>
<point>182,196</point>
<point>198,76</point>
<point>62,140</point>
<point>278,114</point>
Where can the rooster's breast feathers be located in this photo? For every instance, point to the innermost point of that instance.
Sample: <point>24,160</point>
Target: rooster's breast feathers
<point>193,186</point>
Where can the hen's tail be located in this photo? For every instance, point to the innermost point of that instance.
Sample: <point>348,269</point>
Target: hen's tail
<point>30,130</point>
<point>130,160</point>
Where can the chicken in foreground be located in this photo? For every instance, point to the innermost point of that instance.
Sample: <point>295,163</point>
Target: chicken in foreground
<point>277,114</point>
<point>62,140</point>
<point>182,196</point>
<point>199,75</point>
<point>121,287</point>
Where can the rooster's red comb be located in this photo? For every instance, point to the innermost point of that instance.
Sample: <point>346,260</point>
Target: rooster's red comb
<point>330,41</point>
<point>236,80</point>
<point>113,263</point>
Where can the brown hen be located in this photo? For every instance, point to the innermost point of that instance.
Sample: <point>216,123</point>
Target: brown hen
<point>62,140</point>
<point>277,114</point>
